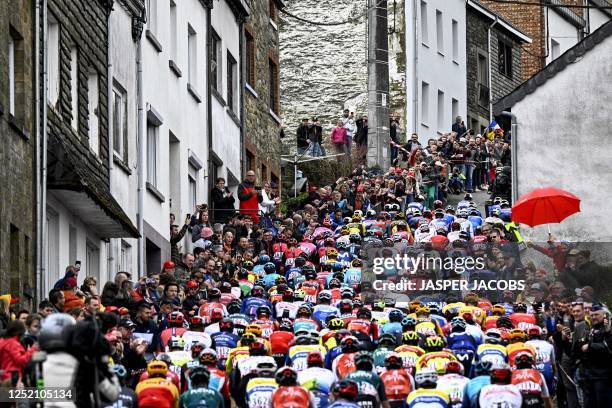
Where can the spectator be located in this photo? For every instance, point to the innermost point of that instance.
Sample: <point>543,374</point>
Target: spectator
<point>348,122</point>
<point>302,137</point>
<point>203,221</point>
<point>57,299</point>
<point>339,138</point>
<point>459,127</point>
<point>222,202</point>
<point>362,134</point>
<point>176,236</point>
<point>315,135</point>
<point>250,197</point>
<point>13,356</point>
<point>32,325</point>
<point>268,201</point>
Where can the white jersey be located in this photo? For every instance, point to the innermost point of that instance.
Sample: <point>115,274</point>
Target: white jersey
<point>318,381</point>
<point>476,332</point>
<point>191,337</point>
<point>545,352</point>
<point>453,385</point>
<point>212,329</point>
<point>287,309</point>
<point>500,396</point>
<point>247,365</point>
<point>420,236</point>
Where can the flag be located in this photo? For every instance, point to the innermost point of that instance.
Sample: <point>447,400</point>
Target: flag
<point>493,129</point>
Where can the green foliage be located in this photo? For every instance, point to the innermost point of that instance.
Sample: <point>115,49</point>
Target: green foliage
<point>292,203</point>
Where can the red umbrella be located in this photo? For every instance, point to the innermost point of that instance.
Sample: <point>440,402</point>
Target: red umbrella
<point>545,206</point>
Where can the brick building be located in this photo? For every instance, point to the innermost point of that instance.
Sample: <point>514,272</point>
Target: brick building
<point>17,150</point>
<point>81,213</point>
<point>262,90</point>
<point>553,30</point>
<point>493,65</point>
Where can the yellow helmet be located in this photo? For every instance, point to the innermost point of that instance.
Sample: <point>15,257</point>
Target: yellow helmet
<point>517,335</point>
<point>157,367</point>
<point>434,343</point>
<point>410,337</point>
<point>254,329</point>
<point>332,253</point>
<point>413,305</point>
<point>498,310</point>
<point>422,309</point>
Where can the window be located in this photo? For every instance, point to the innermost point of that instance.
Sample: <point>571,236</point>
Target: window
<point>272,7</point>
<point>555,49</point>
<point>174,172</point>
<point>93,98</point>
<point>215,61</point>
<point>250,160</point>
<point>455,40</point>
<point>192,57</point>
<point>504,55</point>
<point>193,187</point>
<point>274,87</point>
<point>250,59</point>
<point>152,132</point>
<point>74,87</point>
<point>425,102</point>
<point>53,74</point>
<point>14,251</point>
<point>441,118</point>
<point>232,81</point>
<point>264,173</point>
<point>72,243</point>
<point>125,258</point>
<point>92,260</point>
<point>274,179</point>
<point>455,108</point>
<point>173,33</point>
<point>424,32</point>
<point>440,31</point>
<point>152,16</point>
<point>11,72</point>
<point>482,77</point>
<point>120,125</point>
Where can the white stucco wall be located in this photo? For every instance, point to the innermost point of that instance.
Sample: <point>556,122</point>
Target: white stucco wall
<point>226,132</point>
<point>563,142</point>
<point>182,115</point>
<point>440,70</point>
<point>561,31</point>
<point>596,19</point>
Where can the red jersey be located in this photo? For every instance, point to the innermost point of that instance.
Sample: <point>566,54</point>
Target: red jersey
<point>207,308</point>
<point>529,381</point>
<point>170,332</point>
<point>523,320</point>
<point>398,384</point>
<point>490,322</point>
<point>279,341</point>
<point>291,397</point>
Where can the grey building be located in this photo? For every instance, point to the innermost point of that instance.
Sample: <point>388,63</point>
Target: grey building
<point>17,150</point>
<point>494,48</point>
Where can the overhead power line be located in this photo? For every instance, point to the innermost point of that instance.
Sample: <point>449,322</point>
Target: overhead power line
<point>553,5</point>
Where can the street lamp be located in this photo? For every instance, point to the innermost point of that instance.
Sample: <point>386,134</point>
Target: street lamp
<point>298,159</point>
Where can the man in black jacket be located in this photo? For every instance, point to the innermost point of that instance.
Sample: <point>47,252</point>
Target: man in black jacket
<point>222,202</point>
<point>302,136</point>
<point>597,351</point>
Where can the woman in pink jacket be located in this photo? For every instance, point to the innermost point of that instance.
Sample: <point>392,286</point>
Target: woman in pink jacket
<point>13,356</point>
<point>339,137</point>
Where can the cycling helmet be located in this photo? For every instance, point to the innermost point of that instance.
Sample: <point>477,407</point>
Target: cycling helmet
<point>410,337</point>
<point>342,245</point>
<point>165,358</point>
<point>332,253</point>
<point>335,323</point>
<point>534,332</point>
<point>334,283</point>
<point>395,316</point>
<point>346,306</point>
<point>408,322</point>
<point>257,291</point>
<point>434,343</point>
<point>426,378</point>
<point>523,360</point>
<point>498,310</point>
<point>176,343</point>
<point>191,284</point>
<point>214,293</point>
<point>208,357</point>
<point>324,296</point>
<point>458,323</point>
<point>347,293</point>
<point>422,309</point>
<point>504,321</point>
<point>501,374</point>
<point>286,376</point>
<point>247,338</point>
<point>199,375</point>
<point>234,307</point>
<point>344,389</point>
<point>196,349</point>
<point>299,294</point>
<point>493,336</point>
<point>364,313</point>
<point>265,369</point>
<point>269,267</point>
<point>378,306</point>
<point>264,310</point>
<point>454,367</point>
<point>119,371</point>
<point>520,307</point>
<point>226,325</point>
<point>253,328</point>
<point>314,359</point>
<point>393,361</point>
<point>176,319</point>
<point>483,367</point>
<point>157,368</point>
<point>258,348</point>
<point>263,259</point>
<point>364,361</point>
<point>357,263</point>
<point>517,335</point>
<point>388,340</point>
<point>304,311</point>
<point>349,344</point>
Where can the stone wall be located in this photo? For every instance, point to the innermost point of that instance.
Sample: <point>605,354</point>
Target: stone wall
<point>17,154</point>
<point>262,129</point>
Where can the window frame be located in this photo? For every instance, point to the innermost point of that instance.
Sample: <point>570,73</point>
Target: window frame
<point>232,82</point>
<point>216,61</point>
<point>424,23</point>
<point>440,32</point>
<point>274,94</point>
<point>54,34</point>
<point>93,112</point>
<point>192,56</point>
<point>250,59</point>
<point>504,58</point>
<point>152,153</point>
<point>74,87</point>
<point>122,153</point>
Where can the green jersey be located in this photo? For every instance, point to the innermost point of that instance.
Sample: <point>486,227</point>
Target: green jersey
<point>201,398</point>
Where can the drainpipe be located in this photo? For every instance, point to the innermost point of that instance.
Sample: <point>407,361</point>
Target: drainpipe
<point>513,153</point>
<point>42,287</point>
<point>490,69</point>
<point>39,188</point>
<point>111,152</point>
<point>415,83</point>
<point>242,82</point>
<point>141,158</point>
<point>209,6</point>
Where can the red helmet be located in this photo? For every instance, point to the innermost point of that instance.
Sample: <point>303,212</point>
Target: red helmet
<point>216,314</point>
<point>314,359</point>
<point>454,367</point>
<point>176,318</point>
<point>501,374</point>
<point>226,325</point>
<point>346,389</point>
<point>192,284</point>
<point>168,265</point>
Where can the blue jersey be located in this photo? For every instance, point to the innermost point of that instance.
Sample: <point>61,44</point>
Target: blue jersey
<point>450,218</point>
<point>476,221</point>
<point>472,390</point>
<point>251,304</point>
<point>331,356</point>
<point>392,328</point>
<point>343,404</point>
<point>259,270</point>
<point>352,276</point>
<point>322,312</point>
<point>223,342</point>
<point>427,398</point>
<point>270,279</point>
<point>461,341</point>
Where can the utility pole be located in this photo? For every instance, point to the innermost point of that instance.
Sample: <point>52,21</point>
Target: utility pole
<point>378,84</point>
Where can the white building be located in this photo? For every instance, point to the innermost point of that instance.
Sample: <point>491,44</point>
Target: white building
<point>565,28</point>
<point>435,65</point>
<point>562,118</point>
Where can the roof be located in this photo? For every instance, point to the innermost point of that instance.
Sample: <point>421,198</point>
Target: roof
<point>568,57</point>
<point>493,16</point>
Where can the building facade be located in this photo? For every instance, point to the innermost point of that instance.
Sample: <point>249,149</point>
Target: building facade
<point>576,156</point>
<point>494,69</point>
<point>435,66</point>
<point>81,214</point>
<point>18,150</point>
<point>262,91</point>
<point>553,30</point>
